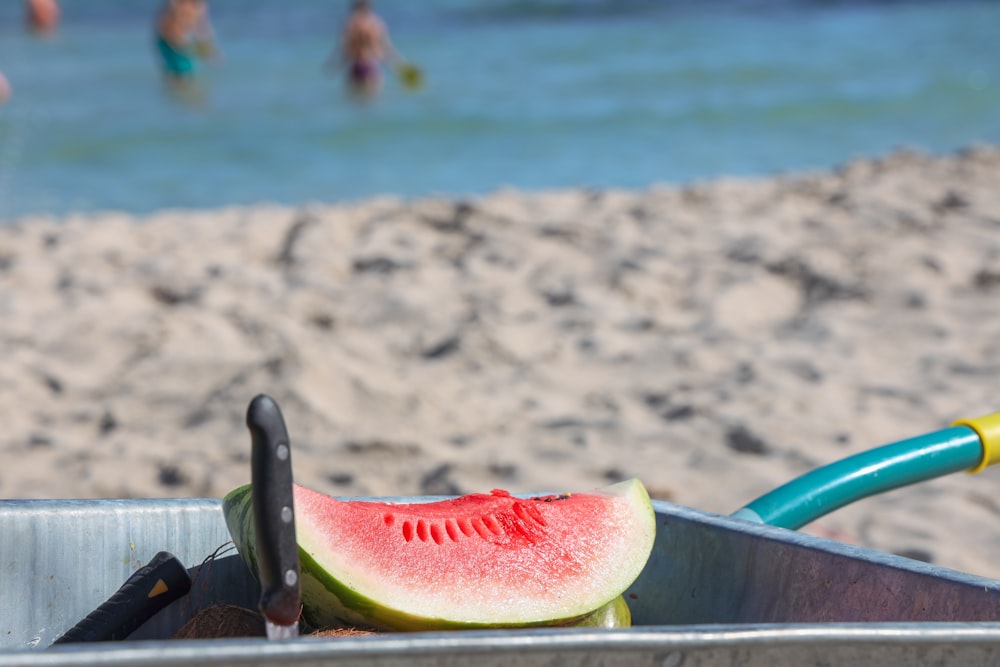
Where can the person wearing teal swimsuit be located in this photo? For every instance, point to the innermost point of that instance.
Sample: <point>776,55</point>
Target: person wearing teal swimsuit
<point>183,34</point>
<point>176,62</point>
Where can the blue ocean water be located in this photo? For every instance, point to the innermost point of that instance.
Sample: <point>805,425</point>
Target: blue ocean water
<point>530,94</point>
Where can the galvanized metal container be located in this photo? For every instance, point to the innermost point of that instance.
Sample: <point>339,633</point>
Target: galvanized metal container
<point>716,590</point>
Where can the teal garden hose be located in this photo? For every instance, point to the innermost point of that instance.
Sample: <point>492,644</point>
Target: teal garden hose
<point>969,444</point>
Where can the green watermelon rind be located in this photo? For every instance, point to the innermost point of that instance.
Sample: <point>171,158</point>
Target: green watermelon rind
<point>329,603</point>
<point>615,614</point>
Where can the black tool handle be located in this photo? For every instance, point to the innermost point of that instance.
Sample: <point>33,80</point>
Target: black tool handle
<point>150,588</point>
<point>273,510</point>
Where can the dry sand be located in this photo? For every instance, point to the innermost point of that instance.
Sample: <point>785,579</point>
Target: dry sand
<point>714,339</point>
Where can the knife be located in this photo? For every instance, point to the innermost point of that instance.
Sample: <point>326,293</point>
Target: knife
<point>150,588</point>
<point>274,518</point>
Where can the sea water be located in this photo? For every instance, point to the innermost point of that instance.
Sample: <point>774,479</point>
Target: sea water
<point>518,93</point>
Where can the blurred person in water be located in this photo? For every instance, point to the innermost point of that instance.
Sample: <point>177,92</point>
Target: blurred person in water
<point>183,36</point>
<point>4,89</point>
<point>42,16</point>
<point>364,48</point>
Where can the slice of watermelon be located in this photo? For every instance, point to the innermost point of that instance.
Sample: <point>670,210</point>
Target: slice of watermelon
<point>482,560</point>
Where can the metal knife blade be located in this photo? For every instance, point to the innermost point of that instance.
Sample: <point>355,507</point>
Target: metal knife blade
<point>274,518</point>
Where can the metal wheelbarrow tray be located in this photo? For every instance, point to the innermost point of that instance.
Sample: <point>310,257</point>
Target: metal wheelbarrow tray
<point>742,589</point>
<point>716,590</point>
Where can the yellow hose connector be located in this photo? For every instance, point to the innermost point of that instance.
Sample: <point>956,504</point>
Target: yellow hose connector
<point>988,430</point>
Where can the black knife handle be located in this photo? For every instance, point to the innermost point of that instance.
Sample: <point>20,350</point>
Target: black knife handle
<point>273,510</point>
<point>150,588</point>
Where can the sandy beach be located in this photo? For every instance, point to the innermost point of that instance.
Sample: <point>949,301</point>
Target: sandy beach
<point>713,339</point>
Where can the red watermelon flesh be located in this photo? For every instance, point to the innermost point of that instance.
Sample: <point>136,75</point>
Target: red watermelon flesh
<point>482,560</point>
